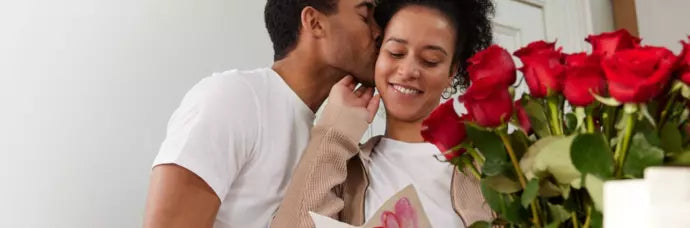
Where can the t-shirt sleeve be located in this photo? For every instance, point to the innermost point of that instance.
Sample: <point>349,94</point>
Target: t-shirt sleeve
<point>213,132</point>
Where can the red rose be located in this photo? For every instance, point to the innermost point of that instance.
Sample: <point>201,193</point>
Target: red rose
<point>445,129</point>
<point>490,105</point>
<point>580,59</point>
<point>493,63</point>
<point>542,68</point>
<point>608,43</point>
<point>637,75</point>
<point>523,119</point>
<point>583,76</point>
<point>535,47</point>
<point>684,62</point>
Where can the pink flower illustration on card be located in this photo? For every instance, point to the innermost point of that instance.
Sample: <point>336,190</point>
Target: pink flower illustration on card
<point>403,216</point>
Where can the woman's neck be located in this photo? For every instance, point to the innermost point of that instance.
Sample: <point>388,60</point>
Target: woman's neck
<point>404,131</point>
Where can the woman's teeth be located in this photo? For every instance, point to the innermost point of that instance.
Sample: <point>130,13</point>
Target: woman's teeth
<point>405,90</point>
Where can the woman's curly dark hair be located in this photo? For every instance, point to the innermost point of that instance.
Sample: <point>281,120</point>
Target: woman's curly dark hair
<point>471,18</point>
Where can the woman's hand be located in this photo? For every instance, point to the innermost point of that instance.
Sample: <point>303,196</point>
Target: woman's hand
<point>361,102</point>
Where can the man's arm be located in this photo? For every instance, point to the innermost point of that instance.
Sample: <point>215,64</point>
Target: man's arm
<point>179,198</point>
<point>207,142</point>
<point>323,166</point>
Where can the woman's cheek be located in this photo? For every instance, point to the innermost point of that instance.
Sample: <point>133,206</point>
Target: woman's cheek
<point>384,67</point>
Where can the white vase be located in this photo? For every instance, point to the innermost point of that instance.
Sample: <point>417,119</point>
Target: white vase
<point>661,199</point>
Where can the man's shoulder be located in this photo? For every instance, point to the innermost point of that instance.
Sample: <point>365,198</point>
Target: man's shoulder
<point>229,91</point>
<point>251,78</point>
<point>233,84</point>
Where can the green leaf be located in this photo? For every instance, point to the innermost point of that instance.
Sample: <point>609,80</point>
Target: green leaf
<point>461,162</point>
<point>494,167</point>
<point>520,143</point>
<point>515,213</point>
<point>671,140</point>
<point>480,224</point>
<point>645,113</point>
<point>503,184</point>
<point>631,108</point>
<point>685,90</point>
<point>553,225</point>
<point>530,192</point>
<point>537,118</point>
<point>597,219</point>
<point>595,188</point>
<point>684,115</point>
<point>608,101</point>
<point>493,198</point>
<point>591,154</point>
<point>558,213</point>
<point>491,146</point>
<point>570,123</point>
<point>551,157</point>
<point>641,155</point>
<point>549,189</point>
<point>681,159</point>
<point>581,115</point>
<point>572,203</point>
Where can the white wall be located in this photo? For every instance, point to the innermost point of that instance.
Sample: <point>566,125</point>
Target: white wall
<point>601,12</point>
<point>663,22</point>
<point>570,22</point>
<point>86,88</point>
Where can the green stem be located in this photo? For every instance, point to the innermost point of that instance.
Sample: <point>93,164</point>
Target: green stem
<point>667,108</point>
<point>573,217</point>
<point>472,168</point>
<point>475,172</point>
<point>477,157</point>
<point>513,158</point>
<point>588,220</point>
<point>609,118</point>
<point>520,174</point>
<point>590,123</point>
<point>554,110</point>
<point>535,219</point>
<point>622,147</point>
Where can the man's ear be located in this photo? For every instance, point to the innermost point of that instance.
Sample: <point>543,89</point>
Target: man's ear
<point>313,22</point>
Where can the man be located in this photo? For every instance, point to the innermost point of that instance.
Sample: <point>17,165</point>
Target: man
<point>232,144</point>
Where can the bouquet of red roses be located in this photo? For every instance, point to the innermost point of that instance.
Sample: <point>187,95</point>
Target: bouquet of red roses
<point>588,118</point>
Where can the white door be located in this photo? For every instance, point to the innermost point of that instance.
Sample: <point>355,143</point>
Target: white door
<point>519,22</point>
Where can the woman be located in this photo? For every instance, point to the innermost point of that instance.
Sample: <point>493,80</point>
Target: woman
<point>424,52</point>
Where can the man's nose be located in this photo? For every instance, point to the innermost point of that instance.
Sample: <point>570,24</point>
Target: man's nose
<point>376,32</point>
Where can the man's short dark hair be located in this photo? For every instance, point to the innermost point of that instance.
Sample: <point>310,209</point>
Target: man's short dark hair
<point>282,19</point>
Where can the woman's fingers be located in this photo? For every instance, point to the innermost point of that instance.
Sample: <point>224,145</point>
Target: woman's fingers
<point>373,107</point>
<point>367,94</point>
<point>347,82</point>
<point>360,91</point>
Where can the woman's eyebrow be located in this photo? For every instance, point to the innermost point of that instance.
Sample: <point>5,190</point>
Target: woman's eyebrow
<point>397,40</point>
<point>438,48</point>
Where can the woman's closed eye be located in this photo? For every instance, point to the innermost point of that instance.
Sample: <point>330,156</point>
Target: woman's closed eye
<point>430,63</point>
<point>431,58</point>
<point>396,55</point>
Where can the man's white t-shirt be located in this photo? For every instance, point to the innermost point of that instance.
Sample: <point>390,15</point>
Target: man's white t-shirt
<point>243,133</point>
<point>396,164</point>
